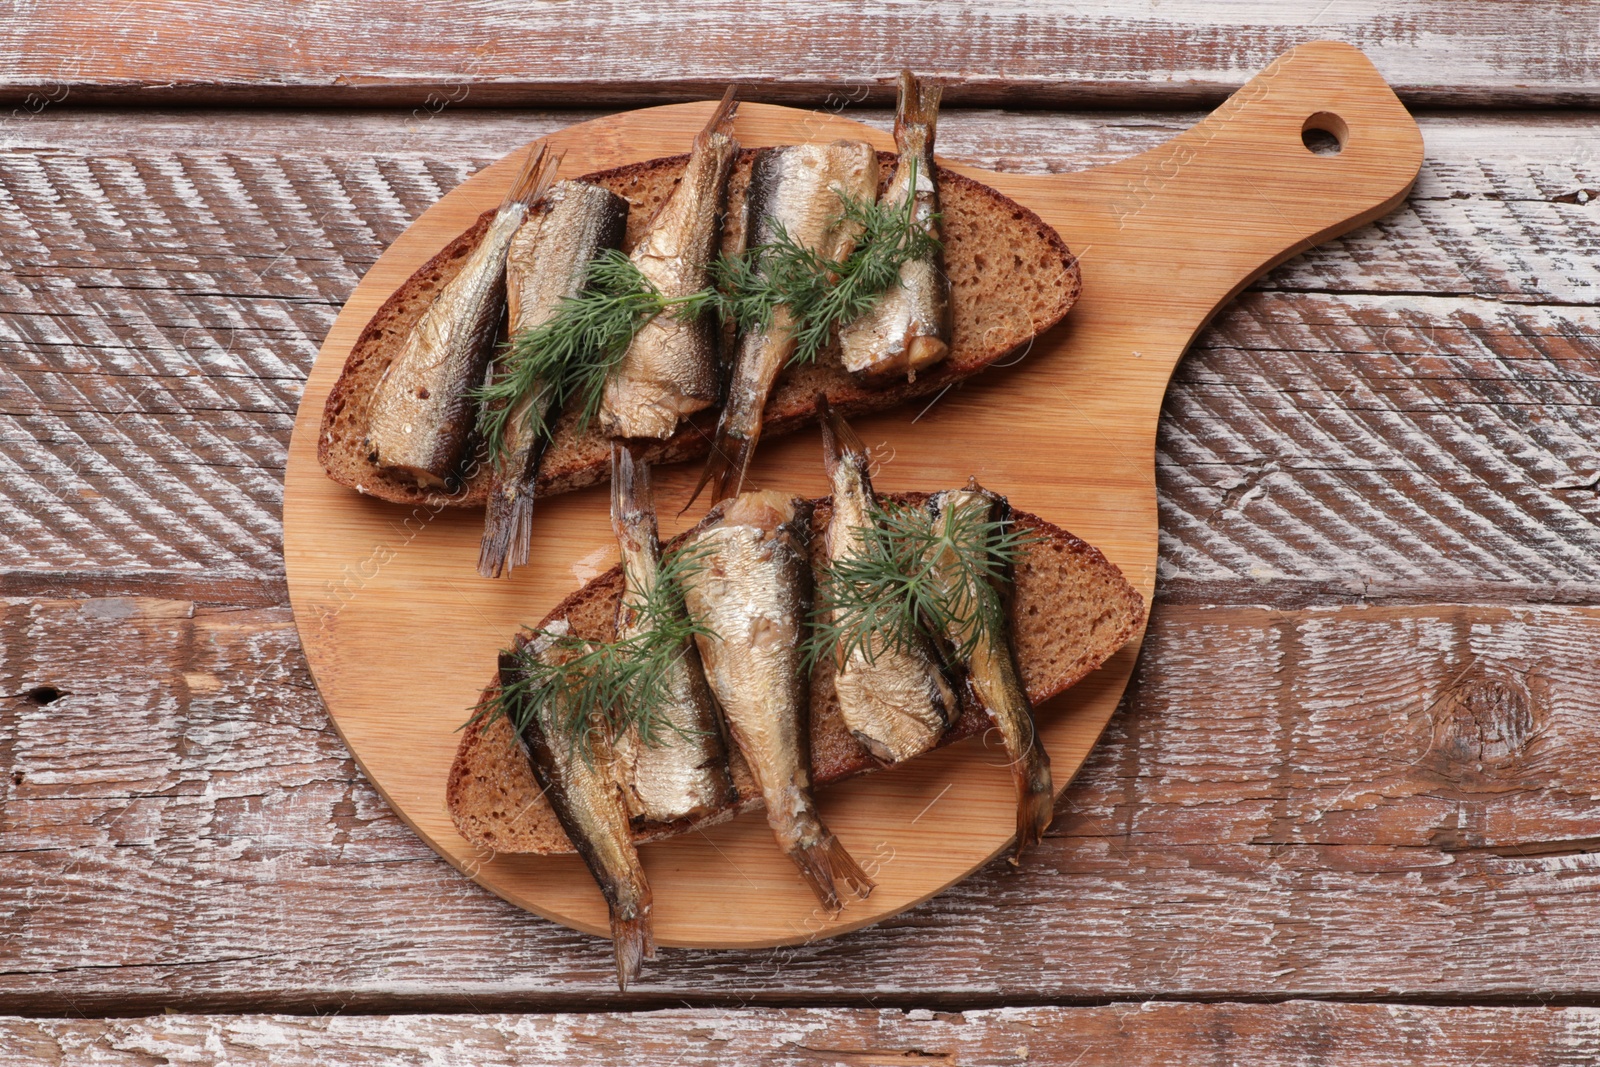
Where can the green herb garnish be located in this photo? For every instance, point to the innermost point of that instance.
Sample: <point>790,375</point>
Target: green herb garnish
<point>915,577</point>
<point>575,687</point>
<point>570,354</point>
<point>819,293</point>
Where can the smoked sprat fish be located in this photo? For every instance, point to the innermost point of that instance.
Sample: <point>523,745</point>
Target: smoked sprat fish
<point>894,699</point>
<point>752,594</point>
<point>578,779</point>
<point>681,770</point>
<point>670,368</point>
<point>800,190</point>
<point>992,674</point>
<point>908,329</point>
<point>547,262</point>
<point>423,410</point>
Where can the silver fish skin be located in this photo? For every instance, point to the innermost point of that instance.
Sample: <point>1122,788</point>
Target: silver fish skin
<point>908,329</point>
<point>583,792</point>
<point>799,188</point>
<point>993,678</point>
<point>752,593</point>
<point>547,262</point>
<point>895,700</point>
<point>681,772</point>
<point>423,412</point>
<point>670,369</point>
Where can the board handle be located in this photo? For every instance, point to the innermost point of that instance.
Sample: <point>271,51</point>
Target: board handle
<point>1314,146</point>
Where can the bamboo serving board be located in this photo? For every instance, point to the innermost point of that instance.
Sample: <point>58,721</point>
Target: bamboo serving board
<point>401,632</point>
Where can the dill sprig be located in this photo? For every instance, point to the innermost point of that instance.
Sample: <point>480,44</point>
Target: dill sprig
<point>914,577</point>
<point>569,355</point>
<point>820,293</point>
<point>575,688</point>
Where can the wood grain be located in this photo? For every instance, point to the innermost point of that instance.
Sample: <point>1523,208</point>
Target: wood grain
<point>1280,487</point>
<point>1177,1035</point>
<point>432,55</point>
<point>1334,802</point>
<point>115,399</point>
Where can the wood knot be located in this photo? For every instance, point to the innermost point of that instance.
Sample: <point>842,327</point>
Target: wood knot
<point>1485,719</point>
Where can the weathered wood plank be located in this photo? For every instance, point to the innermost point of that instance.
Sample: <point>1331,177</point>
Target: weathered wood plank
<point>1399,446</point>
<point>1407,412</point>
<point>433,54</point>
<point>1332,802</point>
<point>1266,1035</point>
<point>1037,141</point>
<point>160,314</point>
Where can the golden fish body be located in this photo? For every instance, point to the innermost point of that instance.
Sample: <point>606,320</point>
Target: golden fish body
<point>992,675</point>
<point>578,779</point>
<point>752,593</point>
<point>800,189</point>
<point>908,329</point>
<point>680,771</point>
<point>547,262</point>
<point>670,368</point>
<point>423,410</point>
<point>894,699</point>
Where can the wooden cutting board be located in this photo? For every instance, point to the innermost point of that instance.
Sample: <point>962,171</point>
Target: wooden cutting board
<point>401,632</point>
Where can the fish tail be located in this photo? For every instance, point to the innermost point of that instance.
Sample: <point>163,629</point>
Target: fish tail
<point>721,120</point>
<point>916,111</point>
<point>824,863</point>
<point>507,531</point>
<point>727,464</point>
<point>840,443</point>
<point>633,943</point>
<point>534,179</point>
<point>1035,799</point>
<point>633,509</point>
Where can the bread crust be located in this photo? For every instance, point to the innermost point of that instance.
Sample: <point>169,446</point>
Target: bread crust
<point>1072,610</point>
<point>1011,275</point>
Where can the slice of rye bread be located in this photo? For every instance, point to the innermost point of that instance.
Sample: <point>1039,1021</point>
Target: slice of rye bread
<point>1011,278</point>
<point>1072,609</point>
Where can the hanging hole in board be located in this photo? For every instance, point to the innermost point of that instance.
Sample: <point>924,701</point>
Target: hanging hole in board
<point>1324,134</point>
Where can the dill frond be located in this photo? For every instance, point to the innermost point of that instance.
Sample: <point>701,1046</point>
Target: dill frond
<point>575,687</point>
<point>819,293</point>
<point>914,577</point>
<point>568,357</point>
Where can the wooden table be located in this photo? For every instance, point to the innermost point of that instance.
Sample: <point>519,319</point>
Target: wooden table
<point>1349,808</point>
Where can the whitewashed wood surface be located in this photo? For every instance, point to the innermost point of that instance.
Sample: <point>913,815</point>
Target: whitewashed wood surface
<point>1356,763</point>
<point>1059,53</point>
